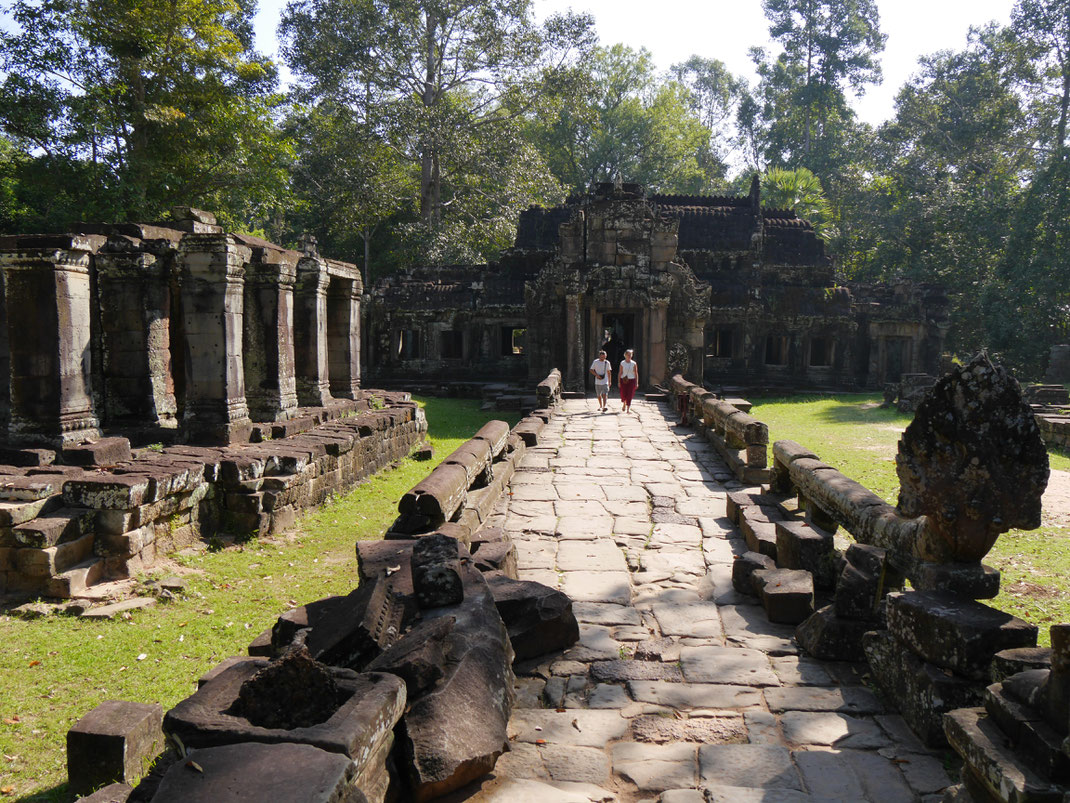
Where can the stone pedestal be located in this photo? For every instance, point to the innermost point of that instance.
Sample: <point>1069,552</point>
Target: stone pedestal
<point>936,653</point>
<point>270,383</point>
<point>45,364</point>
<point>213,271</point>
<point>135,317</point>
<point>343,336</point>
<point>310,333</point>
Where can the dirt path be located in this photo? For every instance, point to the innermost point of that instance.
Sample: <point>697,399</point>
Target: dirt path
<point>1056,499</point>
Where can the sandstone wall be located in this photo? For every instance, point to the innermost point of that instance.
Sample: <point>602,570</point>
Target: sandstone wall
<point>65,527</point>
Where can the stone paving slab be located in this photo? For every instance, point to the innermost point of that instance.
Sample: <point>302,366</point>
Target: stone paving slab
<point>680,690</point>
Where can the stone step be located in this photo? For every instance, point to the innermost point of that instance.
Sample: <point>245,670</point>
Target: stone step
<point>74,582</point>
<point>983,746</point>
<point>786,594</point>
<point>50,529</point>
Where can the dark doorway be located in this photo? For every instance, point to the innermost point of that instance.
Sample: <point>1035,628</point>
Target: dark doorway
<point>618,334</point>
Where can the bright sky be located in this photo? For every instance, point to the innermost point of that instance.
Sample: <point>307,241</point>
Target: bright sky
<point>673,30</point>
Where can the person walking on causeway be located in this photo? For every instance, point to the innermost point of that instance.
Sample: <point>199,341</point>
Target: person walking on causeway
<point>628,380</point>
<point>602,371</point>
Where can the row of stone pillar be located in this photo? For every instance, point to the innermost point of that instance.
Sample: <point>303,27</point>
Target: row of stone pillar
<point>235,328</point>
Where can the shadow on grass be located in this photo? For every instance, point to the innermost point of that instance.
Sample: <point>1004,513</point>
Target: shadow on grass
<point>853,409</point>
<point>57,794</point>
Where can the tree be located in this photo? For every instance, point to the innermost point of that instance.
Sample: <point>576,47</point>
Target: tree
<point>430,74</point>
<point>829,45</point>
<point>346,181</point>
<point>626,120</point>
<point>713,95</point>
<point>800,191</point>
<point>153,102</point>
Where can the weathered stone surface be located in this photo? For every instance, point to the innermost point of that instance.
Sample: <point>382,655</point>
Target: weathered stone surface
<point>862,583</point>
<point>750,765</point>
<point>373,703</point>
<point>471,702</point>
<point>786,594</point>
<point>831,729</point>
<point>251,773</point>
<point>694,695</point>
<point>733,665</point>
<point>118,608</point>
<point>726,729</point>
<point>583,728</point>
<point>744,566</point>
<point>656,767</point>
<point>436,571</point>
<point>924,692</point>
<point>620,671</point>
<point>984,747</point>
<point>538,619</point>
<point>955,633</point>
<point>843,699</point>
<point>972,580</point>
<point>1021,717</point>
<point>831,637</point>
<point>112,744</point>
<point>973,462</point>
<point>292,692</point>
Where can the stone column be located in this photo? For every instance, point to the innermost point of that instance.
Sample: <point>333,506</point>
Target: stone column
<point>658,319</point>
<point>134,296</point>
<point>310,333</point>
<point>268,340</point>
<point>343,336</point>
<point>213,278</point>
<point>47,330</point>
<point>574,372</point>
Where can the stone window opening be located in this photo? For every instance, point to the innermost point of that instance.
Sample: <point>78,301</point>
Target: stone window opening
<point>821,352</point>
<point>512,340</point>
<point>776,349</point>
<point>452,344</point>
<point>721,343</point>
<point>408,344</point>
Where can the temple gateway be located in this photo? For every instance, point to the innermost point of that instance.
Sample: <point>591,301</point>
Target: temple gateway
<point>719,287</point>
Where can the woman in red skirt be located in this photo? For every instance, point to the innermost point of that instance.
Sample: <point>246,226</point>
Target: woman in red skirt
<point>628,379</point>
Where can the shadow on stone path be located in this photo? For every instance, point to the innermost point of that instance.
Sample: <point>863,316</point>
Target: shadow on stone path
<point>680,689</point>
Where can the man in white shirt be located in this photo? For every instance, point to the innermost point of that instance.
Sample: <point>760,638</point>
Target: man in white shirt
<point>603,376</point>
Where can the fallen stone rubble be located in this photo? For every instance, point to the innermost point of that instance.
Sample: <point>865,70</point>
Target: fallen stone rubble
<point>413,669</point>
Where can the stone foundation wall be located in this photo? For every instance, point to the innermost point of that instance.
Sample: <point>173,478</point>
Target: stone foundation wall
<point>63,527</point>
<point>1055,429</point>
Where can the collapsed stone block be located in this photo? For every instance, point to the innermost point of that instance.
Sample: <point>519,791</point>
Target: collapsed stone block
<point>113,743</point>
<point>801,546</point>
<point>831,637</point>
<point>102,452</point>
<point>471,702</point>
<point>249,772</point>
<point>539,619</point>
<point>371,705</point>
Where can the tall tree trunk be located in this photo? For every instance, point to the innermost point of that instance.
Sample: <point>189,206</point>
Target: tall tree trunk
<point>429,191</point>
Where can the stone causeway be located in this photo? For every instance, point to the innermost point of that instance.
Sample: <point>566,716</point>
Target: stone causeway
<point>679,689</point>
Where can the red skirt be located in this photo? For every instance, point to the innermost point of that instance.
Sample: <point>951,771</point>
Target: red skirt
<point>627,389</point>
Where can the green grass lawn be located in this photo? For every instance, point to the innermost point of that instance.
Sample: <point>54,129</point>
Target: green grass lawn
<point>57,668</point>
<point>852,433</point>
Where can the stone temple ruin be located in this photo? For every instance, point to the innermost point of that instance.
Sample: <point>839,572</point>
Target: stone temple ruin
<point>171,381</point>
<point>233,362</point>
<point>721,289</point>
